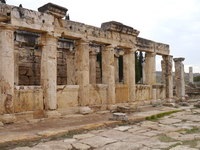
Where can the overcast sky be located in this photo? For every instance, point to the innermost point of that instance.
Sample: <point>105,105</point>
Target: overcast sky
<point>174,22</point>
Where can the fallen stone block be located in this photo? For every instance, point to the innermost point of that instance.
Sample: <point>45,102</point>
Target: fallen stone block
<point>8,118</point>
<point>1,124</point>
<point>197,105</point>
<point>119,117</point>
<point>52,114</point>
<point>170,104</point>
<point>184,104</point>
<point>85,110</point>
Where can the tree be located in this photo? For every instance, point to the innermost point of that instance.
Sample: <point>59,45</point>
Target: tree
<point>138,66</point>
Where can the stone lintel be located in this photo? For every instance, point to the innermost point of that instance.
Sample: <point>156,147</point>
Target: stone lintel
<point>119,27</point>
<point>151,46</point>
<point>179,59</point>
<point>57,11</point>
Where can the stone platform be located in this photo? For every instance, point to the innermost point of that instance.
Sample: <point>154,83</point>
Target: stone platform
<point>36,130</point>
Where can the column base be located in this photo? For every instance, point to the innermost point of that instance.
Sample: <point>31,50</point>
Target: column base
<point>52,114</point>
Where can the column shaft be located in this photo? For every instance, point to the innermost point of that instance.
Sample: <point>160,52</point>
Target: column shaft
<point>150,62</point>
<point>167,75</point>
<point>49,71</point>
<point>109,72</point>
<point>93,59</point>
<point>129,73</point>
<point>191,75</point>
<point>179,78</point>
<point>82,65</point>
<point>6,70</point>
<point>70,68</point>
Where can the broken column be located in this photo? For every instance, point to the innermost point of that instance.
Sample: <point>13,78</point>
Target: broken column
<point>82,62</point>
<point>108,74</point>
<point>191,75</point>
<point>167,76</point>
<point>129,73</point>
<point>179,78</point>
<point>7,73</point>
<point>49,73</point>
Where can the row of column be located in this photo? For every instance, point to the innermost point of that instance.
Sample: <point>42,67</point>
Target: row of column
<point>49,70</point>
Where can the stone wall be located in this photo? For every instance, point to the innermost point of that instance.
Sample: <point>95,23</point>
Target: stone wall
<point>27,58</point>
<point>143,92</point>
<point>122,93</point>
<point>67,96</point>
<point>28,99</point>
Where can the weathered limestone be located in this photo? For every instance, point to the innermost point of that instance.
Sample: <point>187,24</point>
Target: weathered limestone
<point>109,72</point>
<point>150,61</point>
<point>167,76</point>
<point>179,78</point>
<point>129,73</point>
<point>6,69</point>
<point>93,57</point>
<point>49,71</point>
<point>82,64</point>
<point>191,75</point>
<point>63,64</point>
<point>71,68</point>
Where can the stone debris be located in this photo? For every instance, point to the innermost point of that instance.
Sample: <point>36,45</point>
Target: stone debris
<point>119,117</point>
<point>197,105</point>
<point>85,110</point>
<point>170,104</point>
<point>8,118</point>
<point>184,104</point>
<point>80,146</point>
<point>1,124</point>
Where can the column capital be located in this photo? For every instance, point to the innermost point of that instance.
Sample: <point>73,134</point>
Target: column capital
<point>82,42</point>
<point>180,59</point>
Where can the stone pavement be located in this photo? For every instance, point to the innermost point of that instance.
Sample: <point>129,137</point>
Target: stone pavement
<point>178,131</point>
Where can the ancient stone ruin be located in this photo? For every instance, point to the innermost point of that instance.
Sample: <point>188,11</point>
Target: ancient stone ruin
<point>50,65</point>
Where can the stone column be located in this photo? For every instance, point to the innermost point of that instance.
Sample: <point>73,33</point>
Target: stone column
<point>49,72</point>
<point>108,74</point>
<point>116,61</point>
<point>191,75</point>
<point>6,70</point>
<point>82,65</point>
<point>93,59</point>
<point>143,73</point>
<point>150,66</point>
<point>179,78</point>
<point>70,68</point>
<point>167,75</point>
<point>129,73</point>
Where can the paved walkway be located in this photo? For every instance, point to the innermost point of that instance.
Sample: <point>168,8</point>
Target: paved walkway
<point>178,131</point>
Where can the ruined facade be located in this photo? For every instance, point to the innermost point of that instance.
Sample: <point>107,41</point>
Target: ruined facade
<point>52,65</point>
